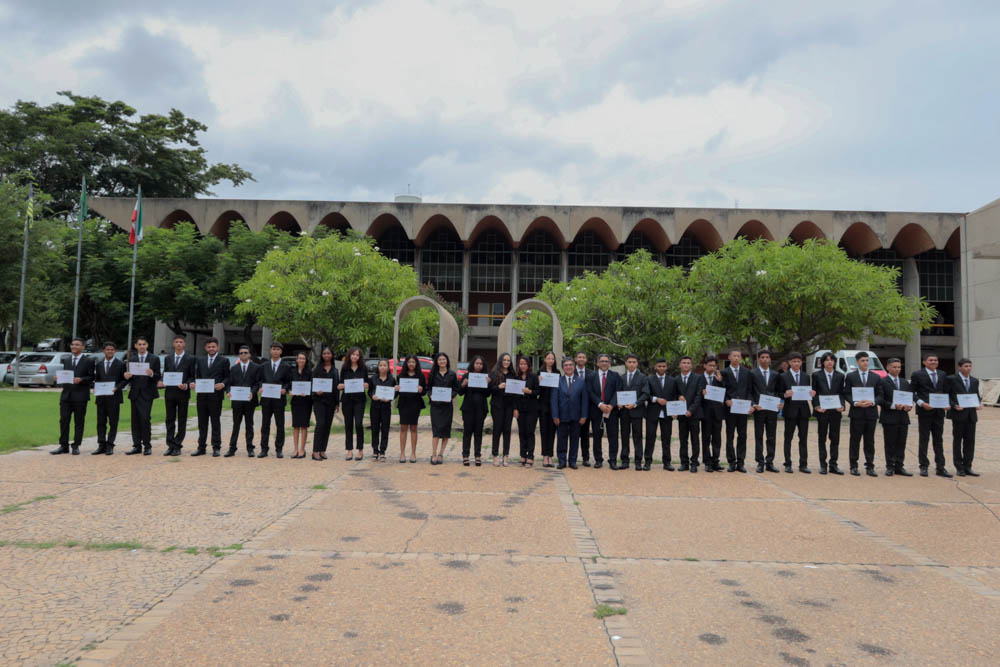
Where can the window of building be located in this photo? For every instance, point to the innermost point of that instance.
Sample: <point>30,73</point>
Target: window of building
<point>441,261</point>
<point>394,244</point>
<point>886,257</point>
<point>635,241</point>
<point>684,252</point>
<point>490,262</point>
<point>539,261</point>
<point>937,284</point>
<point>489,314</point>
<point>587,253</point>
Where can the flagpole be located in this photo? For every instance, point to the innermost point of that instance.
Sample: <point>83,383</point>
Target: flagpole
<point>24,273</point>
<point>135,252</point>
<point>79,251</point>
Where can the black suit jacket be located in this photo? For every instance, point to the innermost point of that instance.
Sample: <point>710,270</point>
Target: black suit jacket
<point>612,384</point>
<point>853,380</point>
<point>189,367</point>
<point>795,409</point>
<point>250,378</point>
<point>955,387</point>
<point>218,371</point>
<point>144,386</point>
<point>641,389</point>
<point>78,393</point>
<point>114,374</point>
<point>668,392</point>
<point>820,386</point>
<point>712,408</point>
<point>742,389</point>
<point>920,380</point>
<point>883,396</point>
<point>282,377</point>
<point>759,387</point>
<point>691,392</point>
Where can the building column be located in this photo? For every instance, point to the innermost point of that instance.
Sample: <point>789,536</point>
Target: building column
<point>162,337</point>
<point>416,263</point>
<point>959,330</point>
<point>266,337</point>
<point>564,265</point>
<point>466,283</point>
<point>911,288</point>
<point>219,332</point>
<point>515,269</point>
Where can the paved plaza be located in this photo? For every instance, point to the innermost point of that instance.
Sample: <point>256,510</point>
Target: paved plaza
<point>162,561</point>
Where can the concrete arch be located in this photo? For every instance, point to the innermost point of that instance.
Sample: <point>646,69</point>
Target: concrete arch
<point>382,224</point>
<point>431,225</point>
<point>505,335</point>
<point>912,240</point>
<point>705,233</point>
<point>547,225</point>
<point>859,239</point>
<point>220,228</point>
<point>654,231</point>
<point>753,230</point>
<point>448,338</point>
<point>805,230</point>
<point>335,221</point>
<point>180,215</point>
<point>285,221</point>
<point>603,231</point>
<point>488,223</point>
<point>954,245</point>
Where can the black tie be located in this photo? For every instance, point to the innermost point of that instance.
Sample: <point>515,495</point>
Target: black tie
<point>177,362</point>
<point>107,367</point>
<point>74,362</point>
<point>796,378</point>
<point>934,379</point>
<point>896,380</point>
<point>966,380</point>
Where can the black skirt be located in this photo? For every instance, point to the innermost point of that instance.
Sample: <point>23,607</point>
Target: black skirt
<point>410,406</point>
<point>301,411</point>
<point>441,416</point>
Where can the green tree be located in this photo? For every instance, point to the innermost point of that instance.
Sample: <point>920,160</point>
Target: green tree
<point>461,319</point>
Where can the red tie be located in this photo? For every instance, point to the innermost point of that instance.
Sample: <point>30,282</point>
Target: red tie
<point>604,379</point>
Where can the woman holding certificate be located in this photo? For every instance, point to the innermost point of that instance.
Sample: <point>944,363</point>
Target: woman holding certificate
<point>548,371</point>
<point>382,391</point>
<point>501,406</point>
<point>325,378</point>
<point>302,404</point>
<point>526,410</point>
<point>474,408</point>
<point>354,385</point>
<point>411,387</point>
<point>443,385</point>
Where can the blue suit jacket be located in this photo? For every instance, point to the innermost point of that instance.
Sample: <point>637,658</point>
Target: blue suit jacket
<point>569,403</point>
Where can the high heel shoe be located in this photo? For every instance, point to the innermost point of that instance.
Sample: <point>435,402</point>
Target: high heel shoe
<point>496,461</point>
<point>465,462</point>
<point>479,461</point>
<point>315,457</point>
<point>402,459</point>
<point>322,455</point>
<point>504,464</point>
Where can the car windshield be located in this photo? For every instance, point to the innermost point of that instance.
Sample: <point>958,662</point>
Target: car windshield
<point>4,358</point>
<point>36,358</point>
<point>874,364</point>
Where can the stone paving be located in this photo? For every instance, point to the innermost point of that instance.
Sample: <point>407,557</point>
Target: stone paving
<point>177,561</point>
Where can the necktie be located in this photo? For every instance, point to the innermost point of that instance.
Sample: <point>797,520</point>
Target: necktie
<point>74,362</point>
<point>896,380</point>
<point>603,379</point>
<point>107,367</point>
<point>142,359</point>
<point>864,379</point>
<point>630,379</point>
<point>274,367</point>
<point>736,373</point>
<point>796,378</point>
<point>829,380</point>
<point>765,377</point>
<point>966,380</point>
<point>663,379</point>
<point>684,380</point>
<point>177,362</point>
<point>934,379</point>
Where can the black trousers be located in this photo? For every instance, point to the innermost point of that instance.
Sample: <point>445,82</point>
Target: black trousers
<point>711,440</point>
<point>688,427</point>
<point>930,425</point>
<point>802,425</point>
<point>828,426</point>
<point>631,427</point>
<point>210,411</point>
<point>547,430</point>
<point>599,428</point>
<point>737,423</point>
<point>863,429</point>
<point>177,415</point>
<point>894,436</point>
<point>272,407</point>
<point>141,426</point>
<point>584,439</point>
<point>963,443</point>
<point>324,420</point>
<point>666,427</point>
<point>503,417</point>
<point>765,426</point>
<point>473,418</point>
<point>242,412</point>
<point>568,433</point>
<point>107,420</point>
<point>354,419</point>
<point>526,433</point>
<point>381,416</point>
<point>77,411</point>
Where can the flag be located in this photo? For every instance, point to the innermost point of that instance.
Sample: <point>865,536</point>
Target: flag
<point>83,201</point>
<point>135,233</point>
<point>30,213</point>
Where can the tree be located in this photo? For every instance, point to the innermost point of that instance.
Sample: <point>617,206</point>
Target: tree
<point>461,319</point>
<point>788,297</point>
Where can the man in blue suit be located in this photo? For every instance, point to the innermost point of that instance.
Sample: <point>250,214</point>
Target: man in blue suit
<point>569,411</point>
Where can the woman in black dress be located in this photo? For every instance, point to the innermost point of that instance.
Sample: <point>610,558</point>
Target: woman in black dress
<point>381,410</point>
<point>301,408</point>
<point>526,411</point>
<point>501,407</point>
<point>353,403</point>
<point>410,406</point>
<point>473,412</point>
<point>546,428</point>
<point>441,411</point>
<point>324,402</point>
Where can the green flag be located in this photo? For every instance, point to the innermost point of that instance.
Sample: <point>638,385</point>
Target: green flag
<point>83,201</point>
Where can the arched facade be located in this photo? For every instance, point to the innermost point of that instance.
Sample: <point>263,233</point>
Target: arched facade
<point>806,230</point>
<point>505,335</point>
<point>448,339</point>
<point>220,228</point>
<point>286,222</point>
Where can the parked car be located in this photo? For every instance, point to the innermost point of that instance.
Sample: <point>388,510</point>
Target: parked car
<point>37,368</point>
<point>5,358</point>
<point>426,364</point>
<point>48,345</point>
<point>846,361</point>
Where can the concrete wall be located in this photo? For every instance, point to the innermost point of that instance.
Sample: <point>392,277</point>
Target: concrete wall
<point>980,255</point>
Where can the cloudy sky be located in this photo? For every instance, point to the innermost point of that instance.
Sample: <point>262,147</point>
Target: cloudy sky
<point>778,104</point>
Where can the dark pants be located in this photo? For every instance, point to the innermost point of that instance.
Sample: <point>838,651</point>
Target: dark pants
<point>765,425</point>
<point>631,427</point>
<point>272,407</point>
<point>177,415</point>
<point>802,425</point>
<point>711,440</point>
<point>828,425</point>
<point>863,428</point>
<point>598,427</point>
<point>963,444</point>
<point>737,423</point>
<point>210,411</point>
<point>141,426</point>
<point>324,420</point>
<point>894,436</point>
<point>568,433</point>
<point>503,417</point>
<point>77,411</point>
<point>584,439</point>
<point>473,417</point>
<point>381,416</point>
<point>354,418</point>
<point>107,420</point>
<point>930,424</point>
<point>688,427</point>
<point>666,427</point>
<point>526,433</point>
<point>242,412</point>
<point>547,430</point>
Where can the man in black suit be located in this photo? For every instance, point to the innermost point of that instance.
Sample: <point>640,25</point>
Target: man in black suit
<point>74,398</point>
<point>580,372</point>
<point>141,394</point>
<point>796,413</point>
<point>963,420</point>
<point>568,403</point>
<point>828,381</point>
<point>631,414</point>
<point>739,385</point>
<point>712,415</point>
<point>660,388</point>
<point>244,373</point>
<point>930,421</point>
<point>764,382</point>
<point>863,414</point>
<point>213,366</point>
<point>177,397</point>
<point>895,419</point>
<point>602,385</point>
<point>689,390</point>
<point>109,369</point>
<point>274,372</point>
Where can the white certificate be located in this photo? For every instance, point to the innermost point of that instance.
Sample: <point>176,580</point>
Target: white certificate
<point>441,394</point>
<point>239,393</point>
<point>715,393</point>
<point>270,390</point>
<point>740,407</point>
<point>136,368</point>
<point>626,398</point>
<point>676,408</point>
<point>303,387</point>
<point>968,400</point>
<point>769,403</point>
<point>478,380</point>
<point>548,379</point>
<point>801,392</point>
<point>204,386</point>
<point>831,402</point>
<point>64,377</point>
<point>172,379</point>
<point>902,397</point>
<point>515,387</point>
<point>104,388</point>
<point>863,394</point>
<point>410,385</point>
<point>939,400</point>
<point>321,384</point>
<point>385,393</point>
<point>356,386</point>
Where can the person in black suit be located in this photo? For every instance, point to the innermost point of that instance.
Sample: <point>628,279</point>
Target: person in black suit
<point>689,390</point>
<point>501,407</point>
<point>176,398</point>
<point>568,403</point>
<point>739,385</point>
<point>473,413</point>
<point>353,403</point>
<point>141,394</point>
<point>324,402</point>
<point>108,369</point>
<point>302,407</point>
<point>602,386</point>
<point>660,388</point>
<point>546,428</point>
<point>526,411</point>
<point>796,413</point>
<point>580,372</point>
<point>244,373</point>
<point>828,382</point>
<point>74,398</point>
<point>963,420</point>
<point>764,382</point>
<point>213,366</point>
<point>274,372</point>
<point>895,418</point>
<point>863,415</point>
<point>930,421</point>
<point>380,409</point>
<point>631,414</point>
<point>712,415</point>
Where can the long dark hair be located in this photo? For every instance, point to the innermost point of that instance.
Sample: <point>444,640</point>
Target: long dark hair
<point>472,364</point>
<point>498,366</point>
<point>326,348</point>
<point>350,353</point>
<point>447,361</point>
<point>517,366</point>
<point>406,365</point>
<point>542,368</point>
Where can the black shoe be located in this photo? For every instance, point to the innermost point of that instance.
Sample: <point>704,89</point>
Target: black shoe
<point>170,452</point>
<point>216,452</point>
<point>231,452</point>
<point>904,472</point>
<point>572,466</point>
<point>834,470</point>
<point>709,467</point>
<point>100,450</point>
<point>716,467</point>
<point>198,452</point>
<point>250,450</point>
<point>645,466</point>
<point>624,464</point>
<point>805,470</point>
<point>560,466</point>
<point>135,450</point>
<point>788,468</point>
<point>61,450</point>
<point>760,467</point>
<point>941,472</point>
<point>74,450</point>
<point>684,467</point>
<point>855,472</point>
<point>770,467</point>
<point>278,454</point>
<point>598,464</point>
<point>958,471</point>
<point>668,466</point>
<point>109,451</point>
<point>586,463</point>
<point>889,472</point>
<point>731,468</point>
<point>638,466</point>
<point>822,468</point>
<point>263,454</point>
<point>147,450</point>
<point>871,472</point>
<point>923,471</point>
<point>971,473</point>
<point>740,468</point>
<point>694,467</point>
<point>612,465</point>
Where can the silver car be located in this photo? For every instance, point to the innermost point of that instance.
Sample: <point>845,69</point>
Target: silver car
<point>5,358</point>
<point>37,368</point>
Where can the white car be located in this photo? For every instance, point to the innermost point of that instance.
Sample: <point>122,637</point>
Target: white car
<point>846,361</point>
<point>5,358</point>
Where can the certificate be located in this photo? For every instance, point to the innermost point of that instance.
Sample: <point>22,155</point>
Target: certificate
<point>801,392</point>
<point>478,380</point>
<point>769,403</point>
<point>204,386</point>
<point>441,394</point>
<point>104,388</point>
<point>715,393</point>
<point>136,368</point>
<point>676,408</point>
<point>625,398</point>
<point>514,387</point>
<point>303,387</point>
<point>385,393</point>
<point>64,377</point>
<point>172,379</point>
<point>939,401</point>
<point>740,407</point>
<point>831,402</point>
<point>321,384</point>
<point>968,400</point>
<point>270,390</point>
<point>863,394</point>
<point>239,393</point>
<point>410,385</point>
<point>356,386</point>
<point>548,379</point>
<point>902,397</point>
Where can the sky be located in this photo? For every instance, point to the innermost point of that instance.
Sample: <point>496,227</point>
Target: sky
<point>873,105</point>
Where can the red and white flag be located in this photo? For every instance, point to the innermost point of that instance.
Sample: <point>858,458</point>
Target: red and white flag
<point>135,232</point>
